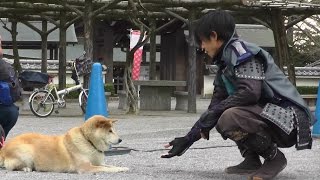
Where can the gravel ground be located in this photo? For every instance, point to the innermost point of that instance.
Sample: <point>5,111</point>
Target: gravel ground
<point>145,135</point>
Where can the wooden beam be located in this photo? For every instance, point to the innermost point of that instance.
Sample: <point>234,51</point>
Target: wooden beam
<point>261,22</point>
<point>196,3</point>
<point>106,6</point>
<point>175,15</point>
<point>76,10</point>
<point>161,28</point>
<point>31,26</point>
<point>28,5</point>
<point>294,22</point>
<point>49,19</point>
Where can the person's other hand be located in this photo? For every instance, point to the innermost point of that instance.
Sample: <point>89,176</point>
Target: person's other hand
<point>179,146</point>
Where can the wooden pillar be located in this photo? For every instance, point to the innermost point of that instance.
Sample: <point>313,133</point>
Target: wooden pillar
<point>62,51</point>
<point>56,52</point>
<point>191,81</point>
<point>181,61</point>
<point>173,63</point>
<point>167,56</point>
<point>108,52</point>
<point>88,35</point>
<point>153,51</point>
<point>44,47</point>
<point>281,43</point>
<point>97,41</point>
<point>276,28</point>
<point>14,34</point>
<point>103,47</point>
<point>51,53</point>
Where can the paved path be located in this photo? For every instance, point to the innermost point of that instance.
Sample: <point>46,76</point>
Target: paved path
<point>146,134</point>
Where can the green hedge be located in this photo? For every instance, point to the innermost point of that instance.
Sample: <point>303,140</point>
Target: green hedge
<point>109,88</point>
<point>75,94</point>
<point>307,89</point>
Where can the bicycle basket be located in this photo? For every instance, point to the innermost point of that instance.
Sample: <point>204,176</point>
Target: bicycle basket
<point>31,79</point>
<point>83,66</point>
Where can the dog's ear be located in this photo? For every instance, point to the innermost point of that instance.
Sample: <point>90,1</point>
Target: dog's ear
<point>113,120</point>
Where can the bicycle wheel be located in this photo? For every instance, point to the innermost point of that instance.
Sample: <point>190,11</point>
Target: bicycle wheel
<point>83,98</point>
<point>41,103</point>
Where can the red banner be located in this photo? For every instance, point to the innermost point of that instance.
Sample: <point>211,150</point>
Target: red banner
<point>134,38</point>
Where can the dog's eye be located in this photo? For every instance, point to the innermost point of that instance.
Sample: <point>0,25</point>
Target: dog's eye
<point>110,131</point>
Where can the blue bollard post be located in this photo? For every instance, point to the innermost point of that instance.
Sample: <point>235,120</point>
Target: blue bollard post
<point>316,126</point>
<point>97,103</point>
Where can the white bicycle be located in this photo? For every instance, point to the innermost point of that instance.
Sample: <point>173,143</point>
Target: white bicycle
<point>42,102</point>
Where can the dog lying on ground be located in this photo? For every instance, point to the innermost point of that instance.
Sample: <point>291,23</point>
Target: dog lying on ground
<point>80,150</point>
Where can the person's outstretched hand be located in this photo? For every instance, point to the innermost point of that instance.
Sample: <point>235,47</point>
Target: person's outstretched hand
<point>179,146</point>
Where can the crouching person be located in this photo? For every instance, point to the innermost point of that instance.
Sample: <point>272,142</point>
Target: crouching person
<point>10,92</point>
<point>253,104</point>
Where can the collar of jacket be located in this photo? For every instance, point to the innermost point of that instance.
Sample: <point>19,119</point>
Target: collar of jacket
<point>218,58</point>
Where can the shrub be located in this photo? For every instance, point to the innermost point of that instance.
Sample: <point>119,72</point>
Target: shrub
<point>307,89</point>
<point>72,95</point>
<point>108,87</point>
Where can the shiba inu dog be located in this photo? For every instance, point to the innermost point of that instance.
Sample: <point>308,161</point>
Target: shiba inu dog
<point>80,150</point>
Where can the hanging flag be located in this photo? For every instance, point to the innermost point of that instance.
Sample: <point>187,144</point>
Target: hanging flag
<point>134,38</point>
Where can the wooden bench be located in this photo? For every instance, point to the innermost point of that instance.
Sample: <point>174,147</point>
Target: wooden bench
<point>181,100</point>
<point>156,94</point>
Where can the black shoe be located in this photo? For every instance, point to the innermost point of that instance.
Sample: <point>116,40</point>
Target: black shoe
<point>271,167</point>
<point>249,165</point>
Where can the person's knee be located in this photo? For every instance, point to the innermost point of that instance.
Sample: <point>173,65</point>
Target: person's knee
<point>13,114</point>
<point>227,119</point>
<point>11,117</point>
<point>228,122</point>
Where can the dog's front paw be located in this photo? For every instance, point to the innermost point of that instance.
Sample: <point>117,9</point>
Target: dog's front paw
<point>122,169</point>
<point>27,169</point>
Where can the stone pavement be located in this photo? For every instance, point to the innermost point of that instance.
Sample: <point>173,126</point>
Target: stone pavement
<point>145,134</point>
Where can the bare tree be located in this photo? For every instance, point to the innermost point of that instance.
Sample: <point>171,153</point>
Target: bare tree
<point>306,38</point>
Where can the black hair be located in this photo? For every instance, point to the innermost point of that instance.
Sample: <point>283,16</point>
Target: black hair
<point>219,21</point>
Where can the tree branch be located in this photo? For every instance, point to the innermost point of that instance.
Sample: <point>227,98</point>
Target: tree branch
<point>292,23</point>
<point>52,29</point>
<point>31,26</point>
<point>307,34</point>
<point>261,22</point>
<point>106,6</point>
<point>176,16</point>
<point>50,19</point>
<point>74,9</point>
<point>159,29</point>
<point>73,21</point>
